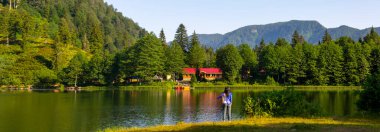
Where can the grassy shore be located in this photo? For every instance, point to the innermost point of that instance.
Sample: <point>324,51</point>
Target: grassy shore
<point>268,125</point>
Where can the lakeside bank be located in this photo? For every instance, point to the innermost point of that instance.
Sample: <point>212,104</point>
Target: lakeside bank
<point>268,124</point>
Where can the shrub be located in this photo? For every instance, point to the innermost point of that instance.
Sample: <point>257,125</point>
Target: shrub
<point>270,81</point>
<point>370,96</point>
<point>280,103</point>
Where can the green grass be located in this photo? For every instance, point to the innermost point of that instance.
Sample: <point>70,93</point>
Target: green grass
<point>267,125</point>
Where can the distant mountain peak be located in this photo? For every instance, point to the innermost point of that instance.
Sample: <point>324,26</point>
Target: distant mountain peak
<point>252,34</point>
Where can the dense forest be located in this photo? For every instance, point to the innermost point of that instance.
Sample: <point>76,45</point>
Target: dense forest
<point>48,42</point>
<point>39,38</point>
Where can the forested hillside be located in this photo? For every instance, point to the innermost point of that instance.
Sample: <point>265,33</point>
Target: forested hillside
<point>312,31</point>
<point>80,43</point>
<point>39,38</point>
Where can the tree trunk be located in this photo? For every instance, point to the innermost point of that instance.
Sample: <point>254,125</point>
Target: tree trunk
<point>76,78</point>
<point>10,4</point>
<point>7,41</point>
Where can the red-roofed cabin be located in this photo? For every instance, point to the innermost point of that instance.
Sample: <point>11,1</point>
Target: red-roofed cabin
<point>210,74</point>
<point>187,72</point>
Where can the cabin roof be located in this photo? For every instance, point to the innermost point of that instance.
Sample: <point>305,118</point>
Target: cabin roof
<point>189,70</point>
<point>210,70</point>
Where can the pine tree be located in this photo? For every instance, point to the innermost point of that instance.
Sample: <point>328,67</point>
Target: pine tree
<point>311,58</point>
<point>74,71</point>
<point>182,39</point>
<point>297,38</point>
<point>94,70</point>
<point>372,37</point>
<point>350,64</point>
<point>210,58</point>
<point>162,37</point>
<point>197,54</point>
<point>175,60</point>
<point>284,58</point>
<point>330,64</point>
<point>326,37</point>
<point>65,34</point>
<point>5,24</point>
<point>296,70</point>
<point>375,61</point>
<point>281,42</point>
<point>149,57</point>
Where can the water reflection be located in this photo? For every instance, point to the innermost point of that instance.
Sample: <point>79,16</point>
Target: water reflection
<point>90,111</point>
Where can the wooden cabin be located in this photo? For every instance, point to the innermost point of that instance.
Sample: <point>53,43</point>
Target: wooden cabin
<point>133,79</point>
<point>187,73</point>
<point>210,74</point>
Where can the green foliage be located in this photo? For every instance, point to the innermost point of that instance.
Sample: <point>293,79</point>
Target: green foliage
<point>330,64</point>
<point>146,58</point>
<point>375,60</point>
<point>182,39</point>
<point>280,103</point>
<point>230,61</point>
<point>197,55</point>
<point>73,74</point>
<point>174,59</point>
<point>250,62</point>
<point>326,37</point>
<point>370,96</point>
<point>270,81</point>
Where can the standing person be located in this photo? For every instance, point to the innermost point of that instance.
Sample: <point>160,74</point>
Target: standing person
<point>226,97</point>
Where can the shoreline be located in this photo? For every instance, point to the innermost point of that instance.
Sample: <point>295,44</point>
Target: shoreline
<point>267,124</point>
<point>237,87</point>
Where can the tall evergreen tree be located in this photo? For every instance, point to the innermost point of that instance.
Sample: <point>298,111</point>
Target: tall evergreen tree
<point>210,60</point>
<point>297,38</point>
<point>372,37</point>
<point>296,72</point>
<point>350,64</point>
<point>281,42</point>
<point>311,58</point>
<point>197,54</point>
<point>162,37</point>
<point>74,72</point>
<point>375,60</point>
<point>175,60</point>
<point>284,52</point>
<point>330,64</point>
<point>182,39</point>
<point>326,37</point>
<point>149,57</point>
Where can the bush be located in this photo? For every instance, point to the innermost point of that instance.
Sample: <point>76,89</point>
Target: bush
<point>271,81</point>
<point>370,96</point>
<point>280,103</point>
<point>46,78</point>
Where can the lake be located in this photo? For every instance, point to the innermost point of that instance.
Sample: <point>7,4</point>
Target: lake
<point>99,109</point>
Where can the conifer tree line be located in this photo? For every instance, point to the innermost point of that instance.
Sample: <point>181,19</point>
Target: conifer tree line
<point>332,62</point>
<point>79,43</point>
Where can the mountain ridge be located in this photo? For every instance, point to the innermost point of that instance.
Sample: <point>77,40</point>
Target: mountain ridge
<point>312,31</point>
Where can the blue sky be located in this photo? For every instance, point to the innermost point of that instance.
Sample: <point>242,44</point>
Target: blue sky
<point>222,16</point>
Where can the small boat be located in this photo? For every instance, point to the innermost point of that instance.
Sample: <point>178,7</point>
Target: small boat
<point>182,87</point>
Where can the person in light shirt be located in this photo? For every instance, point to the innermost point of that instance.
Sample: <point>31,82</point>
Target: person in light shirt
<point>226,97</point>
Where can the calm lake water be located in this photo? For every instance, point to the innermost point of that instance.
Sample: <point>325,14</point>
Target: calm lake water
<point>94,110</point>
